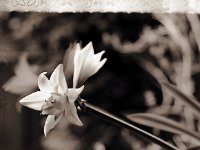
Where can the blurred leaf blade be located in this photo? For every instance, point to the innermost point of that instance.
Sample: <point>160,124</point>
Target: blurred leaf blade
<point>194,148</point>
<point>191,102</point>
<point>163,123</point>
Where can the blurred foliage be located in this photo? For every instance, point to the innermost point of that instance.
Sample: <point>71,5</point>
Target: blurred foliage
<point>143,50</point>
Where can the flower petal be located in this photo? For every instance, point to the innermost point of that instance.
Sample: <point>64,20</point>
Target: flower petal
<point>68,62</point>
<point>54,79</point>
<point>44,83</point>
<point>86,63</point>
<point>73,93</point>
<point>80,57</point>
<point>71,114</point>
<point>63,83</point>
<point>78,62</point>
<point>100,65</point>
<point>92,68</point>
<point>98,56</point>
<point>89,48</point>
<point>58,79</point>
<point>35,100</point>
<point>51,122</point>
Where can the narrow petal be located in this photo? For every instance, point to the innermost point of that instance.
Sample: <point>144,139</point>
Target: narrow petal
<point>35,100</point>
<point>54,79</point>
<point>98,56</point>
<point>63,83</point>
<point>78,62</point>
<point>73,94</point>
<point>89,48</point>
<point>100,65</point>
<point>51,122</point>
<point>44,83</point>
<point>86,63</point>
<point>78,47</point>
<point>58,79</point>
<point>68,62</point>
<point>92,68</point>
<point>71,114</point>
<point>80,58</point>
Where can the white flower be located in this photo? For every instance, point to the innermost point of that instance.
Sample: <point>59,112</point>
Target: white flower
<point>54,99</point>
<point>83,63</point>
<point>23,72</point>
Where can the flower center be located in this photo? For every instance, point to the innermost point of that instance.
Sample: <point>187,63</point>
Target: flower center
<point>54,105</point>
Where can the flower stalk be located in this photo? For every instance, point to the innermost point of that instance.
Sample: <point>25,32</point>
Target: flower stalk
<point>102,114</point>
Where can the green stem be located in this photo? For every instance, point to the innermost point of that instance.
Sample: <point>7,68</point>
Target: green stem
<point>102,114</point>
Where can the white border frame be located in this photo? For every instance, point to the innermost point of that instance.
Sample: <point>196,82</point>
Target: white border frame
<point>128,6</point>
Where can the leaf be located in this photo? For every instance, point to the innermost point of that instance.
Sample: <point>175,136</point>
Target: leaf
<point>194,148</point>
<point>162,123</point>
<point>191,102</point>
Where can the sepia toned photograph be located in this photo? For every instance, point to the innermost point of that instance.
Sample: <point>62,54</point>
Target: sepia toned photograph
<point>94,75</point>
